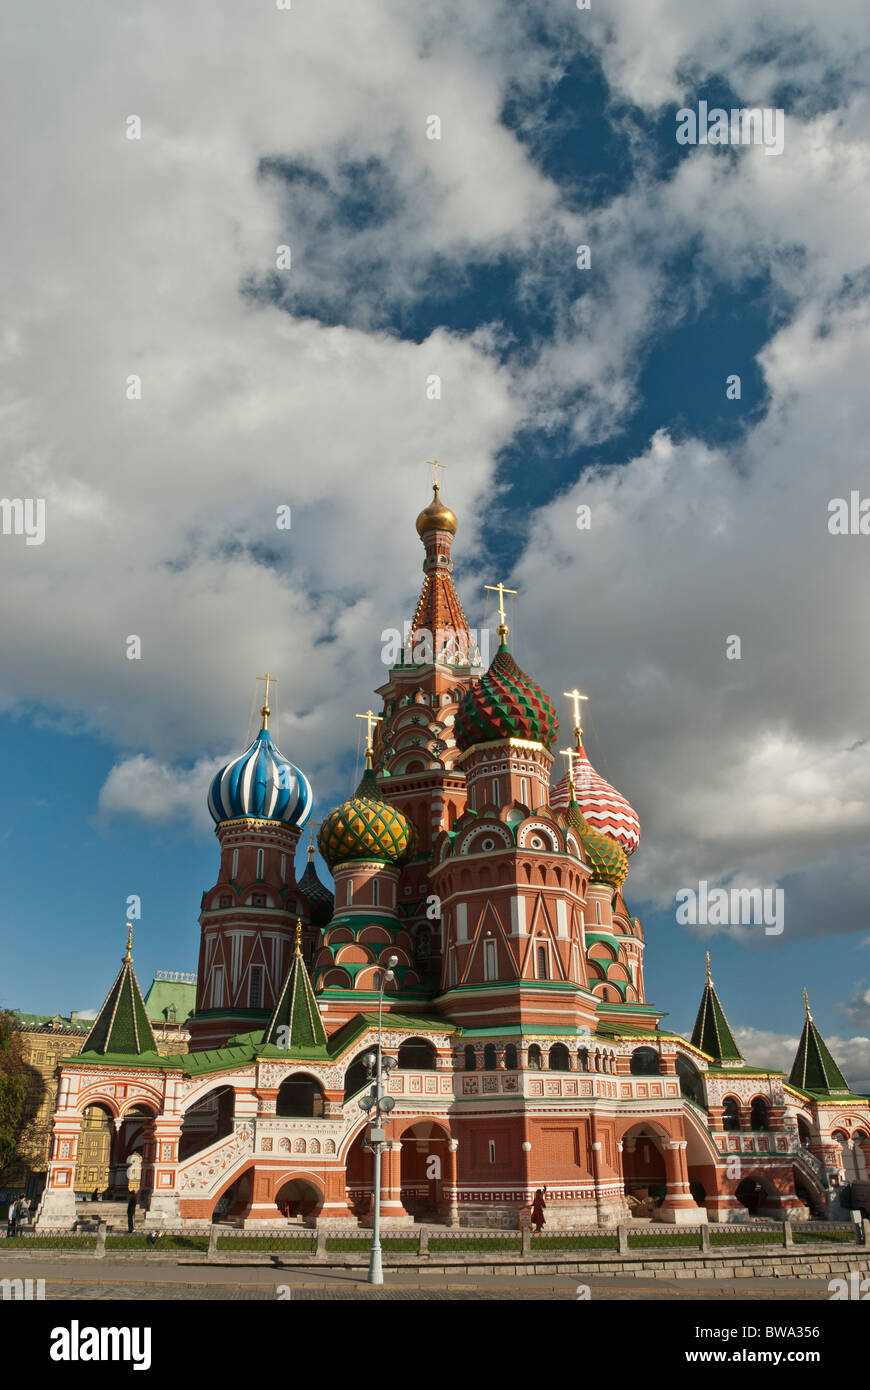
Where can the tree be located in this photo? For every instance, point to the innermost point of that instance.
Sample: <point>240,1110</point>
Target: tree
<point>13,1087</point>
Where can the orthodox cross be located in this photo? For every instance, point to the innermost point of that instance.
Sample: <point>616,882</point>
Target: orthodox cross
<point>500,589</point>
<point>266,711</point>
<point>575,696</point>
<point>433,463</point>
<point>371,719</point>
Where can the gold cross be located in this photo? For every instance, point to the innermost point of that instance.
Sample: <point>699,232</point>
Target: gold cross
<point>576,697</point>
<point>433,463</point>
<point>370,719</point>
<point>500,589</point>
<point>128,958</point>
<point>265,710</point>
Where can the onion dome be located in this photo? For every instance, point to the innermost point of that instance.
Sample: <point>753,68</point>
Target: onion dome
<point>604,807</point>
<point>262,783</point>
<point>318,897</point>
<point>436,517</point>
<point>505,703</point>
<point>605,857</point>
<point>367,827</point>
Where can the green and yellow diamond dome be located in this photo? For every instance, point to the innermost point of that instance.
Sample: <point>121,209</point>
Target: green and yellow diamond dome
<point>367,827</point>
<point>606,858</point>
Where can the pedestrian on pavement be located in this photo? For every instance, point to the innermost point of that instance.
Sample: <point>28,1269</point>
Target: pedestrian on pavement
<point>538,1209</point>
<point>10,1219</point>
<point>131,1211</point>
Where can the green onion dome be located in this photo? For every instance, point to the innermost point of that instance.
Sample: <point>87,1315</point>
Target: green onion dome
<point>606,858</point>
<point>505,703</point>
<point>367,827</point>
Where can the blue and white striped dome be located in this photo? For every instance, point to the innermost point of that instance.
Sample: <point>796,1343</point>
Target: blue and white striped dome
<point>261,783</point>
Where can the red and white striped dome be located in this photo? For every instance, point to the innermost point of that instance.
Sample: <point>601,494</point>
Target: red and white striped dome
<point>604,807</point>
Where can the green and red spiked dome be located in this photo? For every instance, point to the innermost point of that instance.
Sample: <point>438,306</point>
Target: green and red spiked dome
<point>505,703</point>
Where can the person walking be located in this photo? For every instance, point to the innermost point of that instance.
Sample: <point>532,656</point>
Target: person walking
<point>131,1211</point>
<point>538,1206</point>
<point>22,1215</point>
<point>10,1219</point>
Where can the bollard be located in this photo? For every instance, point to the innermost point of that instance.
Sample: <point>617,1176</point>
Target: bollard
<point>527,1240</point>
<point>705,1238</point>
<point>320,1251</point>
<point>622,1239</point>
<point>101,1240</point>
<point>424,1241</point>
<point>787,1234</point>
<point>865,1226</point>
<point>212,1241</point>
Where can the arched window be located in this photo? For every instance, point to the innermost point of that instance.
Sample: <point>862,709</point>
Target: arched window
<point>489,1058</point>
<point>534,1057</point>
<point>583,1058</point>
<point>559,1058</point>
<point>758,1114</point>
<point>416,1054</point>
<point>510,1057</point>
<point>259,864</point>
<point>730,1114</point>
<point>300,1096</point>
<point>375,892</point>
<point>644,1062</point>
<point>470,1059</point>
<point>691,1084</point>
<point>543,972</point>
<point>355,1077</point>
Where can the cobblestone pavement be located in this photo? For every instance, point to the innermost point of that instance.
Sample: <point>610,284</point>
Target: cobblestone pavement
<point>131,1282</point>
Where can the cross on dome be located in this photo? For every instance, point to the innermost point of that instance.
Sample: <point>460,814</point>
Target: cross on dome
<point>575,696</point>
<point>265,710</point>
<point>500,589</point>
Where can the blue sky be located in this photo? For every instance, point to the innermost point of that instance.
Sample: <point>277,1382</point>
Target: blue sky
<point>560,387</point>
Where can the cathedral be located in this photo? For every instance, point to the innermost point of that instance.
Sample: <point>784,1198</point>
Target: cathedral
<point>487,867</point>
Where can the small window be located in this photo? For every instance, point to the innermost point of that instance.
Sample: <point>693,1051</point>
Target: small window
<point>258,899</point>
<point>226,900</point>
<point>543,972</point>
<point>490,1062</point>
<point>283,868</point>
<point>492,1151</point>
<point>490,960</point>
<point>260,857</point>
<point>524,790</point>
<point>598,912</point>
<point>496,796</point>
<point>375,892</point>
<point>235,869</point>
<point>510,1057</point>
<point>350,891</point>
<point>470,1059</point>
<point>256,986</point>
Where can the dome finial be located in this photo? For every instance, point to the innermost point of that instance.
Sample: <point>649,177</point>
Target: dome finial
<point>265,709</point>
<point>569,754</point>
<point>807,1006</point>
<point>128,958</point>
<point>371,719</point>
<point>575,696</point>
<point>503,628</point>
<point>298,936</point>
<point>709,976</point>
<point>436,517</point>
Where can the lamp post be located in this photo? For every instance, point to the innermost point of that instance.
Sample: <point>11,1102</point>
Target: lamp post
<point>381,1105</point>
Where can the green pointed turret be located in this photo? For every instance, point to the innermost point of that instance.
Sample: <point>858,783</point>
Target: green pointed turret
<point>814,1069</point>
<point>122,1027</point>
<point>712,1033</point>
<point>296,1009</point>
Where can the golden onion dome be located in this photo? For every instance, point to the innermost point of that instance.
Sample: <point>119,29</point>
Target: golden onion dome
<point>436,517</point>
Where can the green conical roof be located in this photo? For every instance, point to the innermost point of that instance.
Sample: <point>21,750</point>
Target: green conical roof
<point>122,1026</point>
<point>712,1033</point>
<point>814,1069</point>
<point>297,1011</point>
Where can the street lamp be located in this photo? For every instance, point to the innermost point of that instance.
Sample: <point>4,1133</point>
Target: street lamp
<point>381,1105</point>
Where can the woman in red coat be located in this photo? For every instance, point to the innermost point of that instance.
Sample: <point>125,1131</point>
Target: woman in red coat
<point>538,1209</point>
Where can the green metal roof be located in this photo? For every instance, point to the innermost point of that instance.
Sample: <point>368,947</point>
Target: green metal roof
<point>122,1027</point>
<point>296,1011</point>
<point>814,1069</point>
<point>165,995</point>
<point>711,1033</point>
